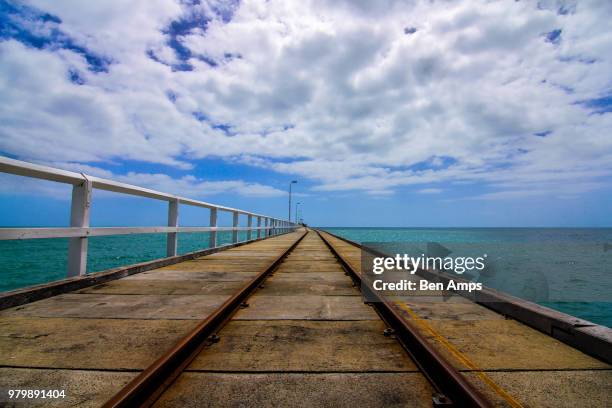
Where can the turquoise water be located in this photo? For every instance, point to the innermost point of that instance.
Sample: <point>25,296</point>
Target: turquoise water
<point>31,262</point>
<point>567,269</point>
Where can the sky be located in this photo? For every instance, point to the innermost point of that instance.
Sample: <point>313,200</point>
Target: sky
<point>387,113</point>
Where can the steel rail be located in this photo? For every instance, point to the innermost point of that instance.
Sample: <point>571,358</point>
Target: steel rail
<point>453,388</point>
<point>146,388</point>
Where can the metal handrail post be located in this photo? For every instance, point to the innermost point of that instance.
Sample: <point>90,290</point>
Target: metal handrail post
<point>172,237</point>
<point>79,217</point>
<point>258,227</point>
<point>213,223</point>
<point>235,226</point>
<point>250,226</point>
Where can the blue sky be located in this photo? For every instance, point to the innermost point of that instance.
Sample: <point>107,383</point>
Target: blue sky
<point>389,113</point>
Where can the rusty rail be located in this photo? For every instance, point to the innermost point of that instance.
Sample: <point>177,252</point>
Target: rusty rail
<point>144,390</point>
<point>452,387</point>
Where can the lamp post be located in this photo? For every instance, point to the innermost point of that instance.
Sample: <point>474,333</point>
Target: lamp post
<point>292,182</point>
<point>296,211</point>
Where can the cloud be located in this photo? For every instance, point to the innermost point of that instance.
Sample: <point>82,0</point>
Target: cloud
<point>337,92</point>
<point>191,186</point>
<point>430,191</point>
<point>531,191</point>
<point>185,186</point>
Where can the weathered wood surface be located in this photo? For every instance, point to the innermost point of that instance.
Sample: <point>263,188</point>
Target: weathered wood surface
<point>505,359</point>
<point>306,339</point>
<point>103,335</point>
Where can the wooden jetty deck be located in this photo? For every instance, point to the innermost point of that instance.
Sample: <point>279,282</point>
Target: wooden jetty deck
<point>510,362</point>
<point>302,337</point>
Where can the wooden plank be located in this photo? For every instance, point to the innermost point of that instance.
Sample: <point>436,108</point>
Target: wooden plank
<point>109,344</point>
<point>307,307</point>
<point>121,306</point>
<point>297,345</point>
<point>84,388</point>
<point>342,390</point>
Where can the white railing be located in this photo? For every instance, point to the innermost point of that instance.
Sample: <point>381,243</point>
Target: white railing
<point>79,230</point>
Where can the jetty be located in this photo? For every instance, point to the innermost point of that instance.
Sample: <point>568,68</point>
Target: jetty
<point>278,318</point>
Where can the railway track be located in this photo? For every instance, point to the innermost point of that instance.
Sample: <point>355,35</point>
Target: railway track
<point>282,322</point>
<point>300,325</point>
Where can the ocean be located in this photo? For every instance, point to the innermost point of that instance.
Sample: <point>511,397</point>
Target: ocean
<point>567,269</point>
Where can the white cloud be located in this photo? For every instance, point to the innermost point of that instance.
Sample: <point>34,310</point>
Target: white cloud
<point>186,186</point>
<point>118,28</point>
<point>333,91</point>
<point>191,186</point>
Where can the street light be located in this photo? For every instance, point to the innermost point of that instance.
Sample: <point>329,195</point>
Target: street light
<point>296,211</point>
<point>292,182</point>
